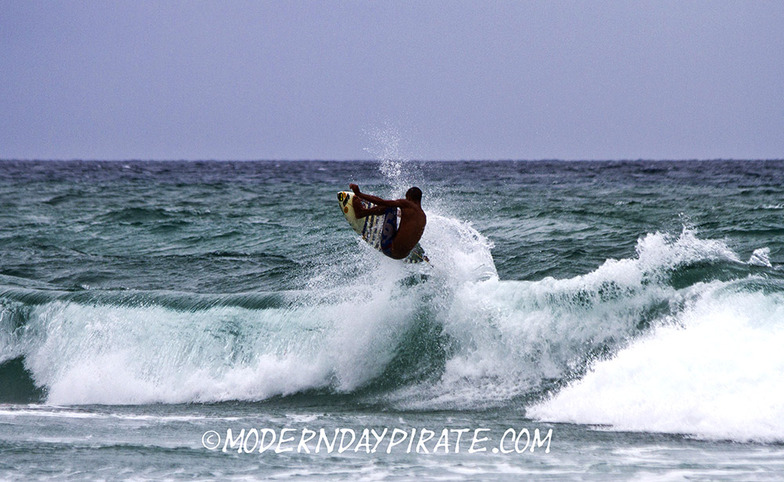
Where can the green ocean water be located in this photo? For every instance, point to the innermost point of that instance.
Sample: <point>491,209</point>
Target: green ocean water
<point>634,309</point>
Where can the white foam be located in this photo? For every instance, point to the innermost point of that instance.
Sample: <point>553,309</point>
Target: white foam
<point>718,373</point>
<point>131,355</point>
<point>50,411</point>
<point>760,257</point>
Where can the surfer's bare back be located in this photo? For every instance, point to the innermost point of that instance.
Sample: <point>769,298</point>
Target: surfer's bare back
<point>412,219</point>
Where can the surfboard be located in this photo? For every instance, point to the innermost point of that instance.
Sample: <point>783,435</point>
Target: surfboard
<point>371,228</point>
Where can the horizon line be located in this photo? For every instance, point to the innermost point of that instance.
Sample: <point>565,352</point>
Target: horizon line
<point>718,159</point>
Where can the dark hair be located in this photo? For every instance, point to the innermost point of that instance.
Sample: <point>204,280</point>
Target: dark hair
<point>414,194</point>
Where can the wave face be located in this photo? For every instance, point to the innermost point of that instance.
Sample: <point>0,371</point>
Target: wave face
<point>681,335</point>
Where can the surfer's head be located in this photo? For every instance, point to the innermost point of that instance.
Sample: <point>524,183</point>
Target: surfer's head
<point>414,194</point>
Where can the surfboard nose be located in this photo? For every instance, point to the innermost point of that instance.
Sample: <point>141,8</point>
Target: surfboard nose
<point>343,198</point>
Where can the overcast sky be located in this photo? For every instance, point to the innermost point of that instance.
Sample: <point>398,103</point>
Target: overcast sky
<point>426,80</point>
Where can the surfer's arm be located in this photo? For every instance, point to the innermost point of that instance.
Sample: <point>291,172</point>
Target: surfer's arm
<point>378,201</point>
<point>375,199</point>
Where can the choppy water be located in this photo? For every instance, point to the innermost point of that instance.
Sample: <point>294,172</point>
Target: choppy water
<point>634,308</point>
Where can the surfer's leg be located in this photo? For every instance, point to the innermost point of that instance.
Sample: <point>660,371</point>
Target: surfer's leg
<point>360,211</point>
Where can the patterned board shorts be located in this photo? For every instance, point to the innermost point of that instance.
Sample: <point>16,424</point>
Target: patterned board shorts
<point>388,231</point>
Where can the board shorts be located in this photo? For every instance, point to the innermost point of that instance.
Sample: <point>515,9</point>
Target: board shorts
<point>388,231</point>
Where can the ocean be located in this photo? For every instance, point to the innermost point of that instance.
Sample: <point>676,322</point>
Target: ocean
<point>577,320</point>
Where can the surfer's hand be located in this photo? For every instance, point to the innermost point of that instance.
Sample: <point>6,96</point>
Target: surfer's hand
<point>354,188</point>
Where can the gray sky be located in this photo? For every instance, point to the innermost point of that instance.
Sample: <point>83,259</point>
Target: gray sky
<point>426,80</point>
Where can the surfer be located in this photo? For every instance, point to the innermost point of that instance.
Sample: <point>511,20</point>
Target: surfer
<point>396,242</point>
